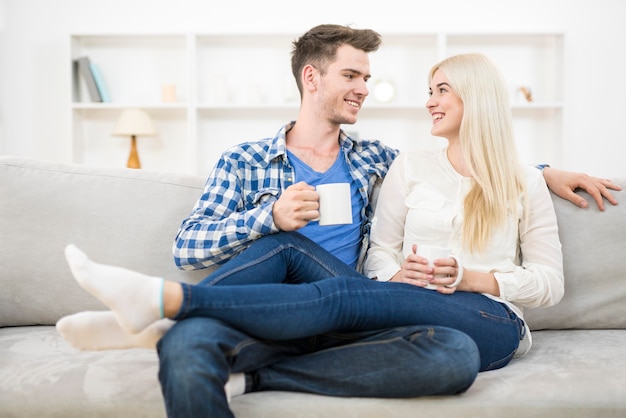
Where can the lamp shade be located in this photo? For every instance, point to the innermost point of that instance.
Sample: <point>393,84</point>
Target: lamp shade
<point>134,122</point>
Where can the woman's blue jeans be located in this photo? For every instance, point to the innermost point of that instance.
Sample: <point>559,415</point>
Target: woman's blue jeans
<point>329,330</point>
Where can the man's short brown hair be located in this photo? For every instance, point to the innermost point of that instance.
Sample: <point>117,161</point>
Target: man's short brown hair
<point>319,46</point>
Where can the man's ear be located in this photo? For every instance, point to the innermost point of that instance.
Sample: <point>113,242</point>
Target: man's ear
<point>310,77</point>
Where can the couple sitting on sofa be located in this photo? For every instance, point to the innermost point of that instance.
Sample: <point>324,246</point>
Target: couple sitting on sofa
<point>473,196</point>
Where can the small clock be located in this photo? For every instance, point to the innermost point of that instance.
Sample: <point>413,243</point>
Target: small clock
<point>384,91</point>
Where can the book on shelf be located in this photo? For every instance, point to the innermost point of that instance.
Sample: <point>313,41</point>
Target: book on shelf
<point>102,88</point>
<point>84,68</point>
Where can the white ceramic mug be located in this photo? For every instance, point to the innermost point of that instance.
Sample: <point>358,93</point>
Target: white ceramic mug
<point>335,203</point>
<point>431,253</point>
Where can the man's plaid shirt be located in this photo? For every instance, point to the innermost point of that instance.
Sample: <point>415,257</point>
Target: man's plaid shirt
<point>235,207</point>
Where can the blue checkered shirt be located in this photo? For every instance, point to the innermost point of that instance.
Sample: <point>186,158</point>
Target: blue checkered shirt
<point>235,207</point>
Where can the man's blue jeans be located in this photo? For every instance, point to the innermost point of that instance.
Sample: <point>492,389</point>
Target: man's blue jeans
<point>284,342</point>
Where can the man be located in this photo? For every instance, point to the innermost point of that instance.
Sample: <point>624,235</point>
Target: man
<point>256,189</point>
<point>265,187</point>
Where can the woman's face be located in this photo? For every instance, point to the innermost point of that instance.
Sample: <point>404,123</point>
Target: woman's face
<point>445,107</point>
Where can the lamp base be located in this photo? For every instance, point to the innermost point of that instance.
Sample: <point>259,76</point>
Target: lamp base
<point>133,157</point>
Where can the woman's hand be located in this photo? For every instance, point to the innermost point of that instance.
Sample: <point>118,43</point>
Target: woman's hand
<point>415,270</point>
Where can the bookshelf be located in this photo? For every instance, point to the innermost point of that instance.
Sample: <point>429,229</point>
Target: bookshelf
<point>231,88</point>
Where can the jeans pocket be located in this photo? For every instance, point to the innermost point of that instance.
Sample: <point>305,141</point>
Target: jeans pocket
<point>510,318</point>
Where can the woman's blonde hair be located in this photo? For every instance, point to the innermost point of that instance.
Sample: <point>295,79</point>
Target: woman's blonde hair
<point>488,145</point>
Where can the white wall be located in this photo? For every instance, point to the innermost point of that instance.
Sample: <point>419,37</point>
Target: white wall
<point>34,89</point>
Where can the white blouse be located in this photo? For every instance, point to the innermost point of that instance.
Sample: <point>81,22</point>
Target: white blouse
<point>421,202</point>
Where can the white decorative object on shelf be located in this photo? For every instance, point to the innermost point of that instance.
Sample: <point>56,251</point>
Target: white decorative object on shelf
<point>168,93</point>
<point>384,91</point>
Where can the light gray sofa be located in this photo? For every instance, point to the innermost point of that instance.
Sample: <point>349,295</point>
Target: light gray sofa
<point>576,368</point>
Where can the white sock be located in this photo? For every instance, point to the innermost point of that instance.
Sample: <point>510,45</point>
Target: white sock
<point>235,386</point>
<point>99,330</point>
<point>136,299</point>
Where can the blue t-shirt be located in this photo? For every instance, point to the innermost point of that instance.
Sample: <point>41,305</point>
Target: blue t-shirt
<point>343,241</point>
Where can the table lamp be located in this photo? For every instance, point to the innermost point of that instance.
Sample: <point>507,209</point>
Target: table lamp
<point>134,122</point>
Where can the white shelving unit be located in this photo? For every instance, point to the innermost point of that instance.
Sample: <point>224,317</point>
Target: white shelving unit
<point>238,87</point>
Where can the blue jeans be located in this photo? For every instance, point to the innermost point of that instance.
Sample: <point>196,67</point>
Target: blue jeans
<point>276,338</point>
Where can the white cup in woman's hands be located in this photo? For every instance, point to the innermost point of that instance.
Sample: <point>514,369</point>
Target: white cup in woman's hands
<point>432,253</point>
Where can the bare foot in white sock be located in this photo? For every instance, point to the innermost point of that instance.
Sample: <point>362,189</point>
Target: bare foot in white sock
<point>99,330</point>
<point>136,299</point>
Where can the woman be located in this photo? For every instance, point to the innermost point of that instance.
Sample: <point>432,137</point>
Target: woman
<point>473,196</point>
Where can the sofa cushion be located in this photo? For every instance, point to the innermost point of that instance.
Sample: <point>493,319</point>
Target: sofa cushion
<point>594,247</point>
<point>42,376</point>
<point>117,216</point>
<point>566,374</point>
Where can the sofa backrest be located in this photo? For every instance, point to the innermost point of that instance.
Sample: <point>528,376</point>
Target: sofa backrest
<point>120,216</point>
<point>130,217</point>
<point>594,250</point>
